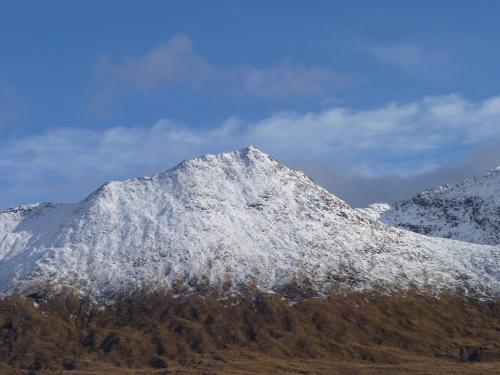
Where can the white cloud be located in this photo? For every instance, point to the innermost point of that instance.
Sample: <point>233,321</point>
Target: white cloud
<point>176,63</point>
<point>397,139</point>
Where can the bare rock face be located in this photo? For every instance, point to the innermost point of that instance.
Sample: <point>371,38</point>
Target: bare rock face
<point>239,217</point>
<point>468,211</point>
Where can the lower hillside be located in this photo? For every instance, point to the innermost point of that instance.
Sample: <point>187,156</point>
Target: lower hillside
<point>345,333</point>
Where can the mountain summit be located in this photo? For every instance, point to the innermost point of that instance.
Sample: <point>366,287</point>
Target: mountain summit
<point>240,216</point>
<point>468,211</point>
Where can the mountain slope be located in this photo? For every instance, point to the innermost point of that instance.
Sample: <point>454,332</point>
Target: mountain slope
<point>468,211</point>
<point>238,216</point>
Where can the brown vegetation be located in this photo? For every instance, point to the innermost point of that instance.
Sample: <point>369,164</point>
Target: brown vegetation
<point>157,332</point>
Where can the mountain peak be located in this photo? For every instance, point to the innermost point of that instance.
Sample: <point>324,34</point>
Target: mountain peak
<point>236,216</point>
<point>250,149</point>
<point>245,153</point>
<point>248,155</point>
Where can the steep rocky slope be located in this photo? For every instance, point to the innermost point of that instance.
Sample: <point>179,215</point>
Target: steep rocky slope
<point>468,211</point>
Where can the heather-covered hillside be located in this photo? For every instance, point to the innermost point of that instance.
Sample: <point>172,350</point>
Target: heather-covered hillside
<point>348,332</point>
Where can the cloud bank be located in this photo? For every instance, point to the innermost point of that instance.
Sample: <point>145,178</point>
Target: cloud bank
<point>346,150</point>
<point>361,190</point>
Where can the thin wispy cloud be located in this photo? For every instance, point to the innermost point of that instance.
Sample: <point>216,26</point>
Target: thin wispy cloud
<point>11,105</point>
<point>176,63</point>
<point>397,139</point>
<point>410,58</point>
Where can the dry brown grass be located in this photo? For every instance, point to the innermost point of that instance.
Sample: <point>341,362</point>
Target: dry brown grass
<point>158,333</point>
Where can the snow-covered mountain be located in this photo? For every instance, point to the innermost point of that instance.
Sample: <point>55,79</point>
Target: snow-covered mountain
<point>237,216</point>
<point>468,211</point>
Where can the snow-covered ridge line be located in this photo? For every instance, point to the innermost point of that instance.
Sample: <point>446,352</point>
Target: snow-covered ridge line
<point>468,211</point>
<point>237,216</point>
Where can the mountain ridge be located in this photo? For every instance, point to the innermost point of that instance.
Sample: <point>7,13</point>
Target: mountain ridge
<point>237,216</point>
<point>466,211</point>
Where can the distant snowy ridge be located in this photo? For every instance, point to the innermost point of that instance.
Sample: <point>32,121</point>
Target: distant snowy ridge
<point>237,216</point>
<point>468,211</point>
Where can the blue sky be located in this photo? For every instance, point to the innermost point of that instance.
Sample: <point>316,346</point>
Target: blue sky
<point>375,100</point>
